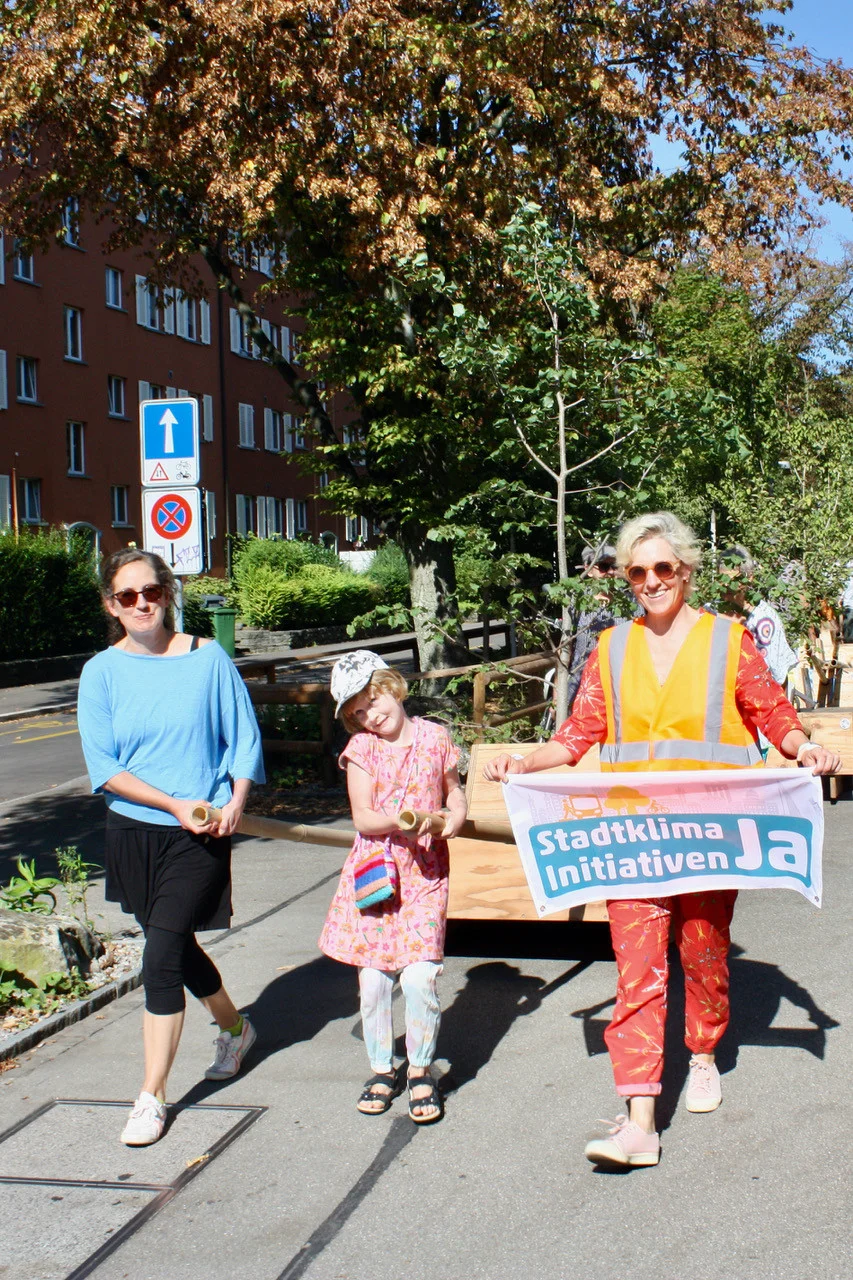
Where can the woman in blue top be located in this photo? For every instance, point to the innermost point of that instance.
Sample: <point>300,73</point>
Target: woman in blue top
<point>167,724</point>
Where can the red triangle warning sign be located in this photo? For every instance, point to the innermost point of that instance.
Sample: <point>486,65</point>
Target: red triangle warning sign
<point>159,473</point>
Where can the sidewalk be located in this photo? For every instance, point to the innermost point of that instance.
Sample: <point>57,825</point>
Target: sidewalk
<point>37,699</point>
<point>274,1175</point>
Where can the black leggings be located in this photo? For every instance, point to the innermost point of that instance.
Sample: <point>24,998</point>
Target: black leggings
<point>170,962</point>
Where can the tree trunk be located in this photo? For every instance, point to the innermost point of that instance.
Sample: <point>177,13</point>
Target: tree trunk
<point>432,581</point>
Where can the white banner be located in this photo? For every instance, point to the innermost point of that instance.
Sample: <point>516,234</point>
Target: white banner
<point>587,836</point>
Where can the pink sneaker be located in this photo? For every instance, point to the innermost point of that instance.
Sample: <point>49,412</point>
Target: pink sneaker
<point>704,1091</point>
<point>628,1144</point>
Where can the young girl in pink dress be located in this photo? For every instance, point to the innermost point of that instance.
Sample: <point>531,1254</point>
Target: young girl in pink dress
<point>394,763</point>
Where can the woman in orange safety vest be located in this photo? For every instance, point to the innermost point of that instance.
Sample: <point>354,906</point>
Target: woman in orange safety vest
<point>676,689</point>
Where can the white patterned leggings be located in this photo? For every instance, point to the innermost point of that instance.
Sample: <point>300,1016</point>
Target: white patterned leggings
<point>423,1013</point>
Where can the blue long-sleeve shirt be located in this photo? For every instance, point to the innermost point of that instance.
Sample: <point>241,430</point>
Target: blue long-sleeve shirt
<point>183,724</point>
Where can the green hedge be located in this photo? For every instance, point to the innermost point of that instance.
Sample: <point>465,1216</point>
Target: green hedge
<point>287,557</point>
<point>50,603</point>
<point>318,596</point>
<point>389,568</point>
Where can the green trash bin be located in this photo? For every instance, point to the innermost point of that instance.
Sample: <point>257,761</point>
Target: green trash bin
<point>223,629</point>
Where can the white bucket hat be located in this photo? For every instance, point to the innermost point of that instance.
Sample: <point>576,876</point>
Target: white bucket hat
<point>352,673</point>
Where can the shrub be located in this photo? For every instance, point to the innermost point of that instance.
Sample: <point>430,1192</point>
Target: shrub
<point>263,597</point>
<point>390,570</point>
<point>287,556</point>
<point>318,596</point>
<point>50,602</point>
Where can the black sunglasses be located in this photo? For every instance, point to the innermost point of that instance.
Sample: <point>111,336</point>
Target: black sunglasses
<point>152,595</point>
<point>664,570</point>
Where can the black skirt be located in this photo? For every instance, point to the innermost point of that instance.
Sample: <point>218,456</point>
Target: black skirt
<point>166,876</point>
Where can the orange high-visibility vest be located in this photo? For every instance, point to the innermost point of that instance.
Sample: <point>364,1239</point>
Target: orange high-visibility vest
<point>692,721</point>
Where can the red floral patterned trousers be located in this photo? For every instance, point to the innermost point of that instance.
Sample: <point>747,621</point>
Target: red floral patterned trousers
<point>640,933</point>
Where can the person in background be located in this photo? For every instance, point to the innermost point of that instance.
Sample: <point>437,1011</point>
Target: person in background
<point>167,725</point>
<point>599,565</point>
<point>761,620</point>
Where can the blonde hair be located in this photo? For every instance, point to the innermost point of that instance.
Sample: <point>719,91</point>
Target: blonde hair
<point>386,680</point>
<point>659,524</point>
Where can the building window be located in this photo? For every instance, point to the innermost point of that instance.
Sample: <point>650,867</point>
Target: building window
<point>245,514</point>
<point>324,480</point>
<point>155,309</point>
<point>301,517</point>
<point>298,434</point>
<point>187,316</point>
<point>31,501</point>
<point>270,517</point>
<point>352,529</point>
<point>115,289</point>
<point>76,449</point>
<point>119,503</point>
<point>26,371</point>
<point>23,266</point>
<point>241,343</point>
<point>247,426</point>
<point>73,321</point>
<point>273,430</point>
<point>70,233</point>
<point>116,395</point>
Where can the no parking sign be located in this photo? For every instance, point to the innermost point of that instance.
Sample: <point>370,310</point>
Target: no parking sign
<point>172,520</point>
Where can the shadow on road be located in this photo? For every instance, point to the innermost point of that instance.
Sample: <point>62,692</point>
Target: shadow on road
<point>757,990</point>
<point>494,995</point>
<point>34,828</point>
<point>292,1009</point>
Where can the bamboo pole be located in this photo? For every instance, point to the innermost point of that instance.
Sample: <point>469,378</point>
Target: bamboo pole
<point>342,837</point>
<point>411,819</point>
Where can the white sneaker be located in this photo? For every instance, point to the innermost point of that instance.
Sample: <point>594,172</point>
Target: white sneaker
<point>230,1052</point>
<point>704,1091</point>
<point>146,1121</point>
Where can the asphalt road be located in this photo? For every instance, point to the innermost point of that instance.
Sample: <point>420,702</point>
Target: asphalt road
<point>39,754</point>
<point>307,1187</point>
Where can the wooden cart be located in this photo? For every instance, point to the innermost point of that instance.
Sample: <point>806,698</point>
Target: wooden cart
<point>486,877</point>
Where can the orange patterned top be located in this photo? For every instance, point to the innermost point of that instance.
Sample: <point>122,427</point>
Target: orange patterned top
<point>761,702</point>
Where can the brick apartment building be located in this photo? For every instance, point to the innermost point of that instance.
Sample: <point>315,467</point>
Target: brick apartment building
<point>83,340</point>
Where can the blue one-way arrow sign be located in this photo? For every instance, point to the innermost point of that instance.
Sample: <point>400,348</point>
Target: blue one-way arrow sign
<point>168,432</point>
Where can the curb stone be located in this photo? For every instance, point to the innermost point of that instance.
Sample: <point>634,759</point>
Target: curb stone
<point>21,1041</point>
<point>29,713</point>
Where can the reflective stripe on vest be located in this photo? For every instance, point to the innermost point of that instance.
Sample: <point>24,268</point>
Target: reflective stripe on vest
<point>709,750</point>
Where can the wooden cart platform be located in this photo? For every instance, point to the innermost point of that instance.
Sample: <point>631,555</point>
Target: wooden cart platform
<point>486,877</point>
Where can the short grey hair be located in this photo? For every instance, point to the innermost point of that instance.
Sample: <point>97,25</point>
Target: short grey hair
<point>659,524</point>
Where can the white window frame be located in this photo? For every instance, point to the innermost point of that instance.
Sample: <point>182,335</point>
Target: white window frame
<point>120,505</point>
<point>72,326</point>
<point>241,343</point>
<point>5,502</point>
<point>28,365</point>
<point>114,277</point>
<point>352,529</point>
<point>290,518</point>
<point>298,433</point>
<point>246,514</point>
<point>23,264</point>
<point>204,321</point>
<point>301,516</point>
<point>71,222</point>
<point>155,310</point>
<point>273,430</point>
<point>75,438</point>
<point>288,432</point>
<point>31,501</point>
<point>246,419</point>
<point>117,405</point>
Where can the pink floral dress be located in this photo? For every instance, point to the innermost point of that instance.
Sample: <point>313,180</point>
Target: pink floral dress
<point>410,926</point>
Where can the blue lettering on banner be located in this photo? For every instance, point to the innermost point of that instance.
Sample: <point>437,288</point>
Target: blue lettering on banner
<point>648,850</point>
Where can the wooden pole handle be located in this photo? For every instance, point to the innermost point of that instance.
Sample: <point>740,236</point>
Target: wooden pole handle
<point>411,819</point>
